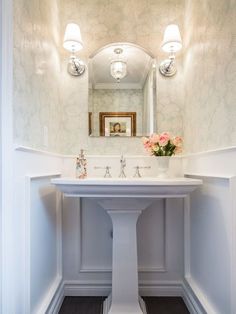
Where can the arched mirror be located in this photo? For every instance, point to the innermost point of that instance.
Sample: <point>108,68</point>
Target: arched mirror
<point>122,91</point>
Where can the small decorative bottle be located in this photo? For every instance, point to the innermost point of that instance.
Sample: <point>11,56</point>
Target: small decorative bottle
<point>81,166</point>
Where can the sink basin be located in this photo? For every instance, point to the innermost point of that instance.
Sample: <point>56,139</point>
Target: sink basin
<point>124,200</point>
<point>127,187</point>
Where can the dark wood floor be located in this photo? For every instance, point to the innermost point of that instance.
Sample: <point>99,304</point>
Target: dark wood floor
<point>93,305</point>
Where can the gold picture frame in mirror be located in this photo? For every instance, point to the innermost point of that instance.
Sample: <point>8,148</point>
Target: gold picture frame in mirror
<point>121,124</point>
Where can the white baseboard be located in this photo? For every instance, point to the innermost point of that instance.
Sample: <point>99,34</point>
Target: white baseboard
<point>169,288</point>
<point>53,298</point>
<point>78,288</point>
<point>57,300</point>
<point>86,288</point>
<point>195,299</point>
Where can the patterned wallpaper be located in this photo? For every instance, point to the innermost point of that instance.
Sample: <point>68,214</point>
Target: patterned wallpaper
<point>210,75</point>
<point>199,100</point>
<point>107,100</point>
<point>103,22</point>
<point>37,106</point>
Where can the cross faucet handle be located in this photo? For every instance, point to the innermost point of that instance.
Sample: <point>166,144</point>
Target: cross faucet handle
<point>107,173</point>
<point>137,172</point>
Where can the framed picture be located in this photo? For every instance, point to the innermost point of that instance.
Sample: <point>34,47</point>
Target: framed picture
<point>117,123</point>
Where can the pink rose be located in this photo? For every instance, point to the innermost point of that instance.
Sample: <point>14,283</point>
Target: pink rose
<point>145,140</point>
<point>164,139</point>
<point>177,141</point>
<point>154,138</point>
<point>178,150</point>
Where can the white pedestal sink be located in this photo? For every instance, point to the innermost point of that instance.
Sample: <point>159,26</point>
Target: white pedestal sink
<point>124,200</point>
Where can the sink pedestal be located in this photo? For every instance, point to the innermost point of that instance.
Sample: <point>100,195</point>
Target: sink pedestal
<point>124,215</point>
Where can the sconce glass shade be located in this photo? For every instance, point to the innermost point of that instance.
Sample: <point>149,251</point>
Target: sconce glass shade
<point>172,41</point>
<point>72,38</point>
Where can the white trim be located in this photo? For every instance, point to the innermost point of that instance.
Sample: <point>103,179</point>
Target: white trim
<point>147,288</point>
<point>37,151</point>
<point>200,302</point>
<point>48,153</point>
<point>122,43</point>
<point>23,148</point>
<point>49,297</point>
<point>210,152</point>
<point>6,80</point>
<point>210,175</point>
<point>233,243</point>
<point>57,300</point>
<point>103,288</point>
<point>187,235</point>
<point>191,301</point>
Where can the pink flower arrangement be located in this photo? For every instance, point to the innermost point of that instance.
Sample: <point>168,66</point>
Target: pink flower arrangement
<point>163,144</point>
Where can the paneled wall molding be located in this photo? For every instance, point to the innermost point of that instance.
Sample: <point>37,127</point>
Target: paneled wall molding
<point>193,291</point>
<point>48,298</point>
<point>154,269</point>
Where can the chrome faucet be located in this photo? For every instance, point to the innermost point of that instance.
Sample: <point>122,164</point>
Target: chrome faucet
<point>107,173</point>
<point>122,167</point>
<point>137,172</point>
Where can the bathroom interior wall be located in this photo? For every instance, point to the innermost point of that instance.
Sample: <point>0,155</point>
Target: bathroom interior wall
<point>102,22</point>
<point>209,75</point>
<point>50,106</point>
<point>36,99</point>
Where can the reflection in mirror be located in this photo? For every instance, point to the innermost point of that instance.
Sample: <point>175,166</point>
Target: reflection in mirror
<point>122,91</point>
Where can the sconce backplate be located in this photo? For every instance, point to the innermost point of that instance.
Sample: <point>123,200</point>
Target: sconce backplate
<point>76,67</point>
<point>168,68</point>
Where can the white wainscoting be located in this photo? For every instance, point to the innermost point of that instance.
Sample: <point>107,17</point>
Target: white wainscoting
<point>210,233</point>
<point>43,242</point>
<point>37,232</point>
<point>190,267</point>
<point>87,248</point>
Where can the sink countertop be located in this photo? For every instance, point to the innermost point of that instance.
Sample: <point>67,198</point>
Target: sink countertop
<point>127,181</point>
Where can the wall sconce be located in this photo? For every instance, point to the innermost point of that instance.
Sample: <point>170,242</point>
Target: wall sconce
<point>73,43</point>
<point>172,43</point>
<point>118,66</point>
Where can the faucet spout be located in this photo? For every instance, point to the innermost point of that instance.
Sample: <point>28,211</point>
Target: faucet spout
<point>122,167</point>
